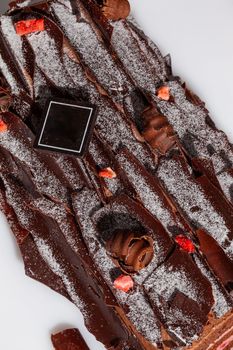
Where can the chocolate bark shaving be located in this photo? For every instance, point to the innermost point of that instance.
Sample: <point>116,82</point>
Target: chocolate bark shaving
<point>116,9</point>
<point>205,166</point>
<point>69,339</point>
<point>183,304</point>
<point>131,251</point>
<point>157,131</point>
<point>216,258</point>
<point>89,213</point>
<point>200,201</point>
<point>105,131</point>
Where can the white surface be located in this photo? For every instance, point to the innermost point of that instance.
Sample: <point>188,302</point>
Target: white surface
<point>199,36</point>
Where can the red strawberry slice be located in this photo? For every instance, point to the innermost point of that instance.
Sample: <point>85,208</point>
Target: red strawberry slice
<point>164,93</point>
<point>29,26</point>
<point>185,243</point>
<point>3,126</point>
<point>107,173</point>
<point>124,283</point>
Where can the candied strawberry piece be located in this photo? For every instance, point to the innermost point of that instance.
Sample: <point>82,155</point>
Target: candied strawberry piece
<point>29,26</point>
<point>185,243</point>
<point>124,283</point>
<point>107,173</point>
<point>164,93</point>
<point>3,126</point>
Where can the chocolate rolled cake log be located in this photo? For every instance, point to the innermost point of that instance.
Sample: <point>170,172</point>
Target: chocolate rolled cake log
<point>135,238</point>
<point>63,257</point>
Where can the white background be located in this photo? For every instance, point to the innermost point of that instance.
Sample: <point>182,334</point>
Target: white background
<point>199,36</point>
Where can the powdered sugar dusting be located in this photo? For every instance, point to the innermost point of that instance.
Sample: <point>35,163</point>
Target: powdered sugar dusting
<point>188,194</point>
<point>147,194</point>
<point>44,179</point>
<point>58,213</point>
<point>132,57</point>
<point>221,305</point>
<point>9,76</point>
<point>87,201</point>
<point>186,117</point>
<point>139,309</point>
<point>47,254</point>
<point>14,41</point>
<point>82,34</point>
<point>226,181</point>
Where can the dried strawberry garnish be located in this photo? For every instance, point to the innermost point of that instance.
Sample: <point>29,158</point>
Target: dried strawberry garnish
<point>107,173</point>
<point>29,26</point>
<point>3,126</point>
<point>124,283</point>
<point>185,243</point>
<point>164,93</point>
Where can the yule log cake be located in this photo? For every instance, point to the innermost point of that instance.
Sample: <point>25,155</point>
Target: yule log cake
<point>116,182</point>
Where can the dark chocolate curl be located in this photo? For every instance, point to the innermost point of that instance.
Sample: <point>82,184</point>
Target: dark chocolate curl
<point>132,252</point>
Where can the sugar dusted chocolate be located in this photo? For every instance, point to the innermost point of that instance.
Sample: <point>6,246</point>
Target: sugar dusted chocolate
<point>69,339</point>
<point>171,181</point>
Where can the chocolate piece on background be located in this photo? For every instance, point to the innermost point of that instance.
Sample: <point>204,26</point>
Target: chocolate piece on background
<point>67,127</point>
<point>132,252</point>
<point>182,303</point>
<point>216,258</point>
<point>205,167</point>
<point>163,208</point>
<point>82,283</point>
<point>116,9</point>
<point>69,339</point>
<point>89,212</point>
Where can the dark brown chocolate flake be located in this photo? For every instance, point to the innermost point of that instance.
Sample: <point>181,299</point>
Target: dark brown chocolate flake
<point>67,127</point>
<point>69,339</point>
<point>216,258</point>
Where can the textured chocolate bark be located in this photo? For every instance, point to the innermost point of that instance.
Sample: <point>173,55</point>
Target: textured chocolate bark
<point>183,303</point>
<point>200,201</point>
<point>41,199</point>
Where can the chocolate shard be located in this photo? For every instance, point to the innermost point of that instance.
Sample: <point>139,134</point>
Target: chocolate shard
<point>81,285</point>
<point>69,339</point>
<point>184,303</point>
<point>216,258</point>
<point>199,134</point>
<point>147,200</point>
<point>93,220</point>
<point>163,207</point>
<point>200,201</point>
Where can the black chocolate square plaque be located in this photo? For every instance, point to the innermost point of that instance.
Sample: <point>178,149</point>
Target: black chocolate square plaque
<point>67,127</point>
